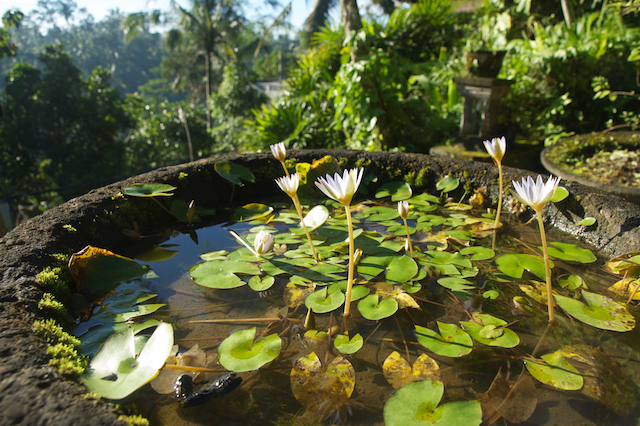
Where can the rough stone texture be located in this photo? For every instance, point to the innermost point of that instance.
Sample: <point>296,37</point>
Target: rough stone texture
<point>34,394</point>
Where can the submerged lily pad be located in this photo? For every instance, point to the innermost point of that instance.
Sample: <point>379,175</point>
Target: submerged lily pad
<point>599,311</point>
<point>570,252</point>
<point>319,391</point>
<point>452,340</point>
<point>399,372</point>
<point>555,371</point>
<point>234,173</point>
<point>149,190</point>
<point>372,309</point>
<point>514,265</point>
<point>240,352</point>
<point>346,345</point>
<point>397,190</point>
<point>416,404</point>
<point>222,273</point>
<point>115,372</point>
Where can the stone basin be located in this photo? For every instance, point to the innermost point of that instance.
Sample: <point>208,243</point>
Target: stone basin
<point>35,393</point>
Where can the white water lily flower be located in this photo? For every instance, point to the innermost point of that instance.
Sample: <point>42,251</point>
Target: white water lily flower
<point>263,242</point>
<point>535,194</point>
<point>279,151</point>
<point>496,148</point>
<point>341,188</point>
<point>289,184</point>
<point>403,209</point>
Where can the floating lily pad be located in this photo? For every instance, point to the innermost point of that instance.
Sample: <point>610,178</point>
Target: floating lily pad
<point>115,372</point>
<point>560,194</point>
<point>514,265</point>
<point>456,284</point>
<point>316,217</point>
<point>323,272</point>
<point>570,252</point>
<point>380,214</point>
<point>399,372</point>
<point>157,254</point>
<point>374,309</point>
<point>398,293</point>
<point>423,200</point>
<point>222,273</point>
<point>346,345</point>
<point>357,291</point>
<point>215,255</point>
<point>401,269</point>
<point>452,340</point>
<point>598,311</point>
<point>416,404</point>
<point>398,191</point>
<point>240,352</point>
<point>322,302</point>
<point>295,295</point>
<point>447,184</point>
<point>314,338</point>
<point>490,331</point>
<point>149,190</point>
<point>555,371</point>
<point>261,284</point>
<point>234,173</point>
<point>95,336</point>
<point>478,253</point>
<point>461,235</point>
<point>251,211</point>
<point>319,391</point>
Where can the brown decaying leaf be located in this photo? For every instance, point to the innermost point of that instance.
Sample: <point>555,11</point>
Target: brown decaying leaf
<point>516,402</point>
<point>399,372</point>
<point>78,263</point>
<point>294,295</point>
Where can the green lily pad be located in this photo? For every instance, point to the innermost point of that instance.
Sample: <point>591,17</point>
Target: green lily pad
<point>570,282</point>
<point>599,311</point>
<point>372,309</point>
<point>433,219</point>
<point>250,212</point>
<point>322,302</point>
<point>233,172</point>
<point>560,194</point>
<point>240,352</point>
<point>222,273</point>
<point>461,235</point>
<point>423,200</point>
<point>490,331</point>
<point>397,190</point>
<point>587,221</point>
<point>416,404</point>
<point>447,184</point>
<point>401,269</point>
<point>115,372</point>
<point>261,284</point>
<point>372,266</point>
<point>215,255</point>
<point>323,272</point>
<point>316,217</point>
<point>380,214</point>
<point>456,284</point>
<point>556,371</point>
<point>570,252</point>
<point>157,254</point>
<point>346,346</point>
<point>357,291</point>
<point>514,265</point>
<point>491,294</point>
<point>95,336</point>
<point>149,190</point>
<point>452,340</point>
<point>478,253</point>
<point>104,273</point>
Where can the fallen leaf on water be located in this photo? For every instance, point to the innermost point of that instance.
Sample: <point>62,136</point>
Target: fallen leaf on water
<point>399,372</point>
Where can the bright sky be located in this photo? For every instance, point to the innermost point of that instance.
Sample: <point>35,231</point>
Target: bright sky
<point>99,8</point>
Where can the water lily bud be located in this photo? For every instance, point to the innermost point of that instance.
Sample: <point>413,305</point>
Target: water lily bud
<point>263,242</point>
<point>191,212</point>
<point>496,147</point>
<point>403,209</point>
<point>279,151</point>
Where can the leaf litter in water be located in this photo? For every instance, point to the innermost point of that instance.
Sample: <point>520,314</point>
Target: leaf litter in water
<point>555,371</point>
<point>514,400</point>
<point>399,372</point>
<point>599,311</point>
<point>194,357</point>
<point>319,391</point>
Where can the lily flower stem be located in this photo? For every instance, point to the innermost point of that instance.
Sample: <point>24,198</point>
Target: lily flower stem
<point>547,269</point>
<point>347,302</point>
<point>241,241</point>
<point>499,209</point>
<point>285,168</point>
<point>296,202</point>
<point>408,237</point>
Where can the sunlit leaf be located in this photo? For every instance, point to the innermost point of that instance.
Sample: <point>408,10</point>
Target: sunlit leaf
<point>478,253</point>
<point>401,269</point>
<point>314,338</point>
<point>456,284</point>
<point>587,221</point>
<point>626,287</point>
<point>399,372</point>
<point>322,302</point>
<point>240,352</point>
<point>348,346</point>
<point>261,284</point>
<point>322,392</point>
<point>294,295</point>
<point>570,252</point>
<point>251,212</point>
<point>490,331</point>
<point>157,254</point>
<point>233,172</point>
<point>222,273</point>
<point>396,190</point>
<point>628,263</point>
<point>447,184</point>
<point>323,272</point>
<point>115,372</point>
<point>599,311</point>
<point>316,217</point>
<point>560,194</point>
<point>555,371</point>
<point>570,282</point>
<point>149,190</point>
<point>423,200</point>
<point>215,255</point>
<point>380,214</point>
<point>374,309</point>
<point>514,265</point>
<point>452,340</point>
<point>416,404</point>
<point>95,336</point>
<point>372,266</point>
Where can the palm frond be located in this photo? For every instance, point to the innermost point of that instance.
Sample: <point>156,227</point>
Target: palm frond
<point>319,15</point>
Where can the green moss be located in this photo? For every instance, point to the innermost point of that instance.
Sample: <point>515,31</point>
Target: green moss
<point>135,420</point>
<point>410,178</point>
<point>465,175</point>
<point>55,280</point>
<point>53,308</point>
<point>468,187</point>
<point>290,163</point>
<point>182,178</point>
<point>70,228</point>
<point>343,162</point>
<point>363,162</point>
<point>63,349</point>
<point>422,180</point>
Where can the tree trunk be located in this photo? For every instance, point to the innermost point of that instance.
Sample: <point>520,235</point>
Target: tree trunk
<point>207,95</point>
<point>567,11</point>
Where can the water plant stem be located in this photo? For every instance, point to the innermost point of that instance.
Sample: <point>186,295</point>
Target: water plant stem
<point>547,269</point>
<point>408,237</point>
<point>163,207</point>
<point>285,168</point>
<point>241,241</point>
<point>347,301</point>
<point>499,209</point>
<point>296,203</point>
<point>225,320</point>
